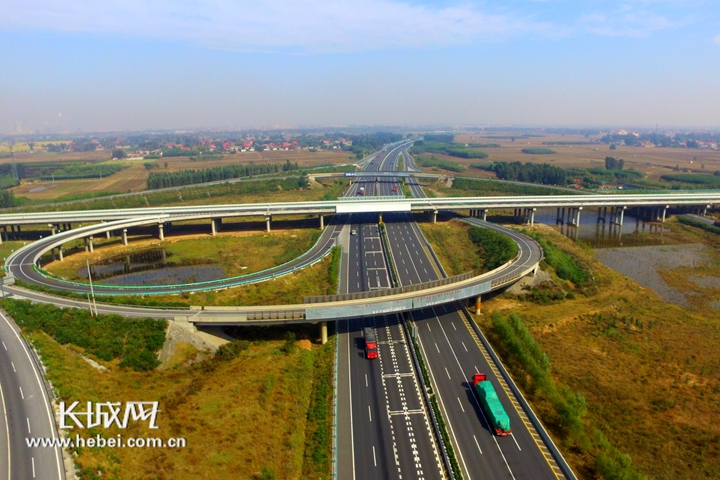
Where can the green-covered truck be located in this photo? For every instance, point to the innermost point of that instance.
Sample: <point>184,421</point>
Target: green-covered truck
<point>490,403</point>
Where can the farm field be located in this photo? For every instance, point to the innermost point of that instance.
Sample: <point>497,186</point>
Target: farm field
<point>133,178</point>
<point>655,162</point>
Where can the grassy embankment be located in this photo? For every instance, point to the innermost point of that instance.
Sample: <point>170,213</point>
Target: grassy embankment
<point>260,409</point>
<point>632,383</point>
<point>236,253</point>
<point>463,248</point>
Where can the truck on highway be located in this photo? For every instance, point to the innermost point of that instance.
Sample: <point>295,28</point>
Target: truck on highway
<point>361,191</point>
<point>395,189</point>
<point>371,350</point>
<point>490,403</point>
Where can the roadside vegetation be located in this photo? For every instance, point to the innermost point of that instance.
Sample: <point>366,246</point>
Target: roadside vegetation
<point>462,248</point>
<point>452,149</point>
<point>132,343</point>
<point>435,162</point>
<point>628,384</point>
<point>263,400</point>
<point>289,289</point>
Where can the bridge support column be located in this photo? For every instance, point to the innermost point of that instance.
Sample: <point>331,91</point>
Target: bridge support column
<point>124,236</point>
<point>213,229</point>
<point>322,221</point>
<point>161,231</point>
<point>107,234</point>
<point>60,253</point>
<point>85,241</point>
<point>90,244</point>
<point>267,224</point>
<point>484,214</point>
<point>323,332</point>
<point>53,229</point>
<point>52,254</point>
<point>664,213</point>
<point>704,213</point>
<point>478,305</point>
<point>434,216</point>
<point>531,216</point>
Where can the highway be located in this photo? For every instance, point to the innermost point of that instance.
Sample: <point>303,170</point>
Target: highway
<point>26,412</point>
<point>453,354</point>
<point>383,426</point>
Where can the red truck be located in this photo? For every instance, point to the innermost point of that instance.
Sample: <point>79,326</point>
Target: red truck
<point>362,191</point>
<point>371,350</point>
<point>395,189</point>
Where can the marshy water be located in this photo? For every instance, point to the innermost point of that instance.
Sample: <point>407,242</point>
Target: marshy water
<point>151,267</point>
<point>634,231</point>
<point>639,250</point>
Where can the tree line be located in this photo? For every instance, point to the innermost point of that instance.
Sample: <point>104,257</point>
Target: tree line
<point>526,172</point>
<point>189,177</point>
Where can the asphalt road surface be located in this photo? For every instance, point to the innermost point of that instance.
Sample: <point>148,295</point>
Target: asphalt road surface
<point>26,412</point>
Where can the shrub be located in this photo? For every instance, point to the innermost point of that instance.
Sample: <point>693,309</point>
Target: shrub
<point>232,349</point>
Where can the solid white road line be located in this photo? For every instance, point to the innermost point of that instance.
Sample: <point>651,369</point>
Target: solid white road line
<point>7,428</point>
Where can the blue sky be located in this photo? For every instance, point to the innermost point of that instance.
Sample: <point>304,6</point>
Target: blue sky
<point>94,65</point>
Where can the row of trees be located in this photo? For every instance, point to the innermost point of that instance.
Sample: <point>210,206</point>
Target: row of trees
<point>527,172</point>
<point>189,177</point>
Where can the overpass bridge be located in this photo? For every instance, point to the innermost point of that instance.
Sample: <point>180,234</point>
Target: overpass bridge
<point>479,206</point>
<point>392,175</point>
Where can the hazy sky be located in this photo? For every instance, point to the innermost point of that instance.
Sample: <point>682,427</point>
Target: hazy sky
<point>99,65</point>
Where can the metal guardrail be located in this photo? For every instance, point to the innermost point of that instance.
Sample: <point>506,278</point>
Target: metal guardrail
<point>428,403</point>
<point>276,315</point>
<point>388,291</point>
<point>189,287</point>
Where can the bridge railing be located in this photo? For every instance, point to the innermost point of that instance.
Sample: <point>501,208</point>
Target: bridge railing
<point>389,291</point>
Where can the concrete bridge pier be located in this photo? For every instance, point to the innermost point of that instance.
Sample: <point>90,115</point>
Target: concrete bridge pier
<point>434,216</point>
<point>602,214</point>
<point>90,244</point>
<point>322,222</point>
<point>323,332</point>
<point>161,232</point>
<point>267,223</point>
<point>124,236</point>
<point>60,253</point>
<point>213,228</point>
<point>574,216</point>
<point>484,214</point>
<point>619,215</point>
<point>108,234</point>
<point>529,214</point>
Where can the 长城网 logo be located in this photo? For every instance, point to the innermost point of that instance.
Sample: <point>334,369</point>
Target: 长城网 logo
<point>107,414</point>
